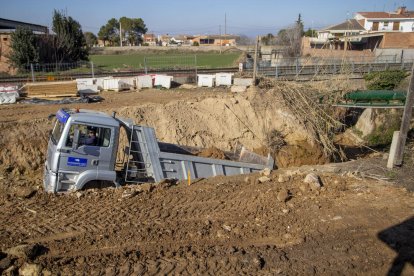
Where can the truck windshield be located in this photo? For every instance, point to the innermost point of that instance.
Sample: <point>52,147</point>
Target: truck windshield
<point>57,132</point>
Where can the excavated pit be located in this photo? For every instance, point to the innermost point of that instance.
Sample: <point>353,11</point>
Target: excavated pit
<point>224,122</point>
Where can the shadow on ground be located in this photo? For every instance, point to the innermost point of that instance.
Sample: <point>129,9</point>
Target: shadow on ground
<point>400,238</point>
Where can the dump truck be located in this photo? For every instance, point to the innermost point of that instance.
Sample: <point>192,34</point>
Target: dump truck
<point>77,161</point>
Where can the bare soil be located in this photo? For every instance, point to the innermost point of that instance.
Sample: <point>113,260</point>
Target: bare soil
<point>359,222</point>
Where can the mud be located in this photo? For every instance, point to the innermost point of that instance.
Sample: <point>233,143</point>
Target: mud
<point>222,225</point>
<point>359,222</point>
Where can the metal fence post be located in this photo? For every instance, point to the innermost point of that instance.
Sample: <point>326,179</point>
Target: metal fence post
<point>276,71</point>
<point>195,63</point>
<point>92,70</point>
<point>297,66</point>
<point>31,69</point>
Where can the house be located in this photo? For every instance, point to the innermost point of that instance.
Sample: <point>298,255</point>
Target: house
<point>6,28</point>
<point>332,37</point>
<point>370,31</point>
<point>398,21</point>
<point>216,40</point>
<point>149,39</point>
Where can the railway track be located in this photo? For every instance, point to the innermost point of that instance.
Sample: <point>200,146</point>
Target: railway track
<point>288,72</point>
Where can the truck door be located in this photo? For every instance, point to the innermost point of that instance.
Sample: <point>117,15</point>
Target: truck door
<point>81,162</point>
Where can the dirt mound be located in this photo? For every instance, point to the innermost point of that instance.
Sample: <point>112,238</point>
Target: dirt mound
<point>213,152</point>
<point>225,122</point>
<point>23,146</point>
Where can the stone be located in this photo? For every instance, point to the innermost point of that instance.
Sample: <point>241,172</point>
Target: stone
<point>385,156</point>
<point>285,211</point>
<point>129,194</point>
<point>226,227</point>
<point>283,195</point>
<point>283,178</point>
<point>264,179</point>
<point>25,192</point>
<point>247,179</point>
<point>79,195</point>
<point>265,172</point>
<point>313,181</point>
<point>24,251</point>
<point>30,269</point>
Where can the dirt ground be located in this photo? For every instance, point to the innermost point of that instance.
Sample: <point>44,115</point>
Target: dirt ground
<point>359,221</point>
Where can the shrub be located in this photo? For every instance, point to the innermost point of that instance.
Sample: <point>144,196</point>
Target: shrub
<point>386,80</point>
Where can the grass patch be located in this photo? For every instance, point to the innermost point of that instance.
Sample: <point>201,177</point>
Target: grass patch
<point>382,135</point>
<point>385,80</point>
<point>164,60</point>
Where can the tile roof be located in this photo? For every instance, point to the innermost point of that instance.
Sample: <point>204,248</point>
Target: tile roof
<point>350,24</point>
<point>407,14</point>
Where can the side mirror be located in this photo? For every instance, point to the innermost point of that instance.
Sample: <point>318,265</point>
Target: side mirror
<point>75,142</point>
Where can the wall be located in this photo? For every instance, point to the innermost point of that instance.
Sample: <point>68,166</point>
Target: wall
<point>405,25</point>
<point>398,40</point>
<point>408,54</point>
<point>4,52</point>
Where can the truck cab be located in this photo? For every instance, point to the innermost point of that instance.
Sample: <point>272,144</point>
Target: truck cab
<point>74,158</point>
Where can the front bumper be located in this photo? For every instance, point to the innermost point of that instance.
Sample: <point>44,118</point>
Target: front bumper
<point>49,180</point>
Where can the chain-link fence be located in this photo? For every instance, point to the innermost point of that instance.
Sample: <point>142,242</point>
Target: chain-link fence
<point>312,66</point>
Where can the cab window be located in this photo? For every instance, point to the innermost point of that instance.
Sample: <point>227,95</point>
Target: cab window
<point>90,135</point>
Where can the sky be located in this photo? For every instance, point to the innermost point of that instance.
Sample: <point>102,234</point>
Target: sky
<point>253,17</point>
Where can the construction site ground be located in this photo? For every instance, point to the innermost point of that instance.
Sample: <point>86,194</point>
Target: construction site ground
<point>360,222</point>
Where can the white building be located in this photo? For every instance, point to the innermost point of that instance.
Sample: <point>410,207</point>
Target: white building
<point>398,21</point>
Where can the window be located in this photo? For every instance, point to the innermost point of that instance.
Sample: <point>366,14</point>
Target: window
<point>386,24</point>
<point>57,132</point>
<point>4,38</point>
<point>90,135</point>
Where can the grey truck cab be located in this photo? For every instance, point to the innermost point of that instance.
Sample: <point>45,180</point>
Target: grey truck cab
<point>83,148</point>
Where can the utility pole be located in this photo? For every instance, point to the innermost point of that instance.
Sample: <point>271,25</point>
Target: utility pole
<point>405,124</point>
<point>220,39</point>
<point>120,33</point>
<point>255,61</point>
<point>225,23</point>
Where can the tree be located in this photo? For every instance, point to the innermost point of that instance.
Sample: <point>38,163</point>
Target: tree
<point>70,44</point>
<point>90,39</point>
<point>110,32</point>
<point>244,40</point>
<point>268,39</point>
<point>132,29</point>
<point>299,24</point>
<point>311,33</point>
<point>24,48</point>
<point>292,38</point>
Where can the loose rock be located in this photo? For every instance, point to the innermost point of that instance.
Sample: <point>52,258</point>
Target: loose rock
<point>313,180</point>
<point>264,179</point>
<point>25,192</point>
<point>265,172</point>
<point>283,178</point>
<point>283,195</point>
<point>30,269</point>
